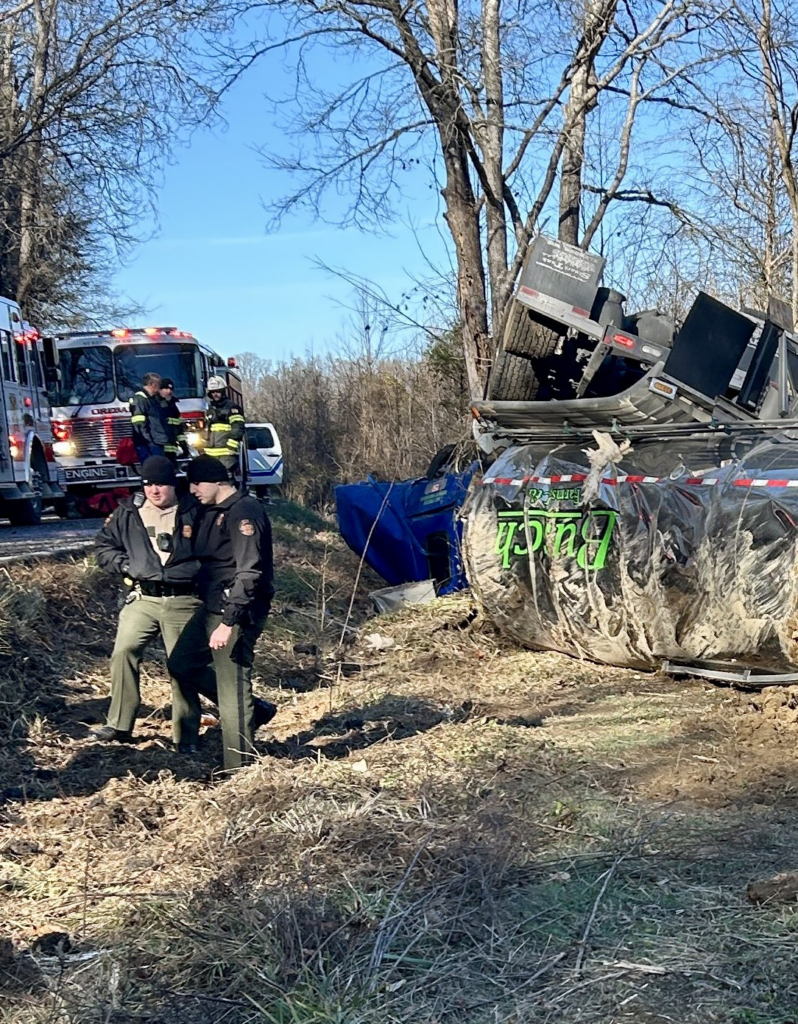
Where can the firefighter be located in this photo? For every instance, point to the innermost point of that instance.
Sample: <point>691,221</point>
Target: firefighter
<point>234,544</point>
<point>175,428</point>
<point>224,430</point>
<point>147,420</point>
<point>149,541</point>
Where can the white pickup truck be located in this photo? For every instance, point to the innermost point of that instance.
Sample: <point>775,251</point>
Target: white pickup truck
<point>264,458</point>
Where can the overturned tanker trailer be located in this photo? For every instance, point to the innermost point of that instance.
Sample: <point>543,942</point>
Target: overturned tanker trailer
<point>657,523</point>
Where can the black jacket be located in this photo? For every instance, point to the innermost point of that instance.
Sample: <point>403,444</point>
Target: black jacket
<point>234,544</point>
<point>122,545</point>
<point>174,427</point>
<point>148,420</point>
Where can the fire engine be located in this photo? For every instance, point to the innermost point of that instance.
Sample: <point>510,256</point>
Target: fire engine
<point>97,374</point>
<point>28,472</point>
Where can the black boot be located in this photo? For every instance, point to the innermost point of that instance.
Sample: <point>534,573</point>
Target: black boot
<point>264,712</point>
<point>107,734</point>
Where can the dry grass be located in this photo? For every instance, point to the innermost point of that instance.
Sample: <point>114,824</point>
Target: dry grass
<point>445,829</point>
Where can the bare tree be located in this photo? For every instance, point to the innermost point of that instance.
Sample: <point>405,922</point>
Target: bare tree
<point>762,38</point>
<point>490,100</point>
<point>368,407</point>
<point>93,97</point>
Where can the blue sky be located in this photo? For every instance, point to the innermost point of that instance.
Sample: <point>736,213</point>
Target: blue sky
<point>212,269</point>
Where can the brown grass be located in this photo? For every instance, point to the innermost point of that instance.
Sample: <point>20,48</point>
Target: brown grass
<point>452,830</point>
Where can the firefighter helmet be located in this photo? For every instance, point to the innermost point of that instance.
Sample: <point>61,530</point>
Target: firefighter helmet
<point>216,384</point>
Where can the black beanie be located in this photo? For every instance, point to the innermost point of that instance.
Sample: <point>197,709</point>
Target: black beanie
<point>206,469</point>
<point>158,470</point>
<point>167,382</point>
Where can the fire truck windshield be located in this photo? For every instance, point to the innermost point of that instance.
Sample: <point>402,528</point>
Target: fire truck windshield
<point>180,362</point>
<point>86,376</point>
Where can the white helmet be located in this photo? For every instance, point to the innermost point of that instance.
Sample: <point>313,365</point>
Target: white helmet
<point>216,384</point>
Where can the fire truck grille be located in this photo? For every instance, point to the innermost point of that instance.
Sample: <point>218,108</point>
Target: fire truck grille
<point>98,439</point>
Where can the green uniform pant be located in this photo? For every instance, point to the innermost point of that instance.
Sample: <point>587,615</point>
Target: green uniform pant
<point>140,622</point>
<point>228,672</point>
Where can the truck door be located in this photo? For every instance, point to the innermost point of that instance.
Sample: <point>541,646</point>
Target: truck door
<point>6,370</point>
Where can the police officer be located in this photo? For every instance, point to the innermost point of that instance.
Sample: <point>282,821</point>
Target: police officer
<point>147,419</point>
<point>175,428</point>
<point>234,543</point>
<point>149,540</point>
<point>224,429</point>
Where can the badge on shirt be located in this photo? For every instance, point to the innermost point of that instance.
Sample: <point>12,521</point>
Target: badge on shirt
<point>246,527</point>
<point>187,531</point>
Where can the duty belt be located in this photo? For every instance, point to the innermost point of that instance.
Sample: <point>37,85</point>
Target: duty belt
<point>154,588</point>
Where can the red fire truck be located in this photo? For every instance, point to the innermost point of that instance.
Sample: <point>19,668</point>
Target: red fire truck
<point>98,372</point>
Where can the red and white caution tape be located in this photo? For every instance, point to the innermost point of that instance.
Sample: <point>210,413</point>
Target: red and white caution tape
<point>690,481</point>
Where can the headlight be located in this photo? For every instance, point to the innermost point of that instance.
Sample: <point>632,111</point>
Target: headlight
<point>63,448</point>
<point>194,440</point>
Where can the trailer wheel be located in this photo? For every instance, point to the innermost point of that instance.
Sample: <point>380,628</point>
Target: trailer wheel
<point>512,379</point>
<point>532,335</point>
<point>27,511</point>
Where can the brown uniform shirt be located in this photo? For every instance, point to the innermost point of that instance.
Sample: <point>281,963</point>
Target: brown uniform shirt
<point>157,521</point>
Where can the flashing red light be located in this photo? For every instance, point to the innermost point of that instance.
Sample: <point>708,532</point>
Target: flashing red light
<point>28,403</point>
<point>231,362</point>
<point>120,332</point>
<point>151,332</point>
<point>61,430</point>
<point>174,333</point>
<point>22,337</point>
<point>622,339</point>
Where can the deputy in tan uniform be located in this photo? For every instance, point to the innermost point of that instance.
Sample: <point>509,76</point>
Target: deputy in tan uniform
<point>149,542</point>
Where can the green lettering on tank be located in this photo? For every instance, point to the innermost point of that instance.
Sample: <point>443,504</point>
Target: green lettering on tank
<point>583,535</point>
<point>593,553</point>
<point>505,535</point>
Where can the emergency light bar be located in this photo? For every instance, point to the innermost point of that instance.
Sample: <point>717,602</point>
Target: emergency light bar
<point>124,333</point>
<point>128,333</point>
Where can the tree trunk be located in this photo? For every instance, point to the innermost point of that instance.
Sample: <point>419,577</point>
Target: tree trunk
<point>491,138</point>
<point>582,98</point>
<point>462,217</point>
<point>31,182</point>
<point>574,155</point>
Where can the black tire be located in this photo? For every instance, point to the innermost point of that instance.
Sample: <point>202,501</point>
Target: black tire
<point>65,508</point>
<point>532,335</point>
<point>440,461</point>
<point>27,511</point>
<point>512,379</point>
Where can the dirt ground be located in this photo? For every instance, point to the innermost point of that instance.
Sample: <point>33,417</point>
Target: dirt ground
<point>439,827</point>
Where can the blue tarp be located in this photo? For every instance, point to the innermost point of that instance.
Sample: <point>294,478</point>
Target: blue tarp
<point>417,534</point>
